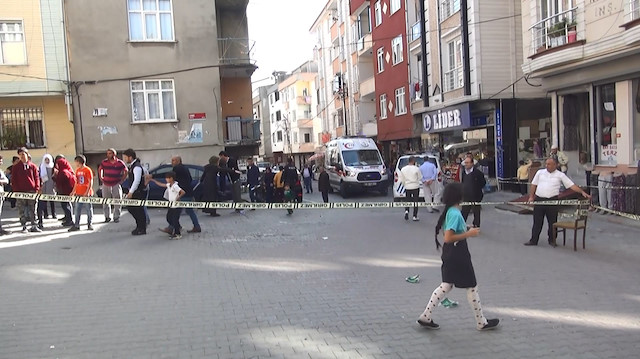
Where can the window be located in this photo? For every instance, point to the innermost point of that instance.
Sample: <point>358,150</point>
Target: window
<point>153,100</point>
<point>634,10</point>
<point>307,137</point>
<point>276,96</point>
<point>271,99</point>
<point>449,7</point>
<point>606,120</point>
<point>380,59</point>
<point>273,117</point>
<point>12,48</point>
<point>453,78</point>
<point>279,136</point>
<point>383,106</point>
<point>635,118</point>
<point>378,13</point>
<point>396,46</point>
<point>295,137</point>
<point>401,104</point>
<point>21,127</point>
<point>395,6</point>
<point>150,20</point>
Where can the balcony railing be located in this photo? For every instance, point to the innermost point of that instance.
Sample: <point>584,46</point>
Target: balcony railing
<point>633,10</point>
<point>415,32</point>
<point>236,51</point>
<point>21,127</point>
<point>556,30</point>
<point>242,131</point>
<point>453,79</point>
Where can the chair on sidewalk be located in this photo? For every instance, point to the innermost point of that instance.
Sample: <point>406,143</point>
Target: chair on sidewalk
<point>579,223</point>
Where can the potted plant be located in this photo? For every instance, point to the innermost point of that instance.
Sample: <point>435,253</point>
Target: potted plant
<point>572,33</point>
<point>557,32</point>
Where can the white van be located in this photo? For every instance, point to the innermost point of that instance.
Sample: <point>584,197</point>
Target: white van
<point>355,164</point>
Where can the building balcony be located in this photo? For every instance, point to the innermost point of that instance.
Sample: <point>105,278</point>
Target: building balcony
<point>235,57</point>
<point>365,46</point>
<point>368,88</point>
<point>242,131</point>
<point>453,79</point>
<point>306,147</point>
<point>555,31</point>
<point>303,100</point>
<point>304,123</point>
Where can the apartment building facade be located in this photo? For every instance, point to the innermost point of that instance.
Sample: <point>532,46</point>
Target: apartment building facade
<point>467,87</point>
<point>162,79</point>
<point>35,110</point>
<point>261,112</point>
<point>586,55</point>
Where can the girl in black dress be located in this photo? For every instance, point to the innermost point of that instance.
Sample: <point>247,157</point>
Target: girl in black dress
<point>457,269</point>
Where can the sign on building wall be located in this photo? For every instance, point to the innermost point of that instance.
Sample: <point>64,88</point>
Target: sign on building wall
<point>499,149</point>
<point>447,119</point>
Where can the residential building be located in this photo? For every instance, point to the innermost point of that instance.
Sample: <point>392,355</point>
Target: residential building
<point>261,112</point>
<point>34,80</point>
<point>276,127</point>
<point>468,89</point>
<point>162,79</point>
<point>586,55</point>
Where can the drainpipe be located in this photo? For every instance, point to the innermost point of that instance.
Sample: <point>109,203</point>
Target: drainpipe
<point>464,20</point>
<point>423,51</point>
<point>69,95</point>
<point>440,53</point>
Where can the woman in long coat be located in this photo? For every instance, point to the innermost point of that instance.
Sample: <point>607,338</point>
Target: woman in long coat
<point>209,183</point>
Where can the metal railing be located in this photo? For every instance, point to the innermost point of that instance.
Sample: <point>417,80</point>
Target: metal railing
<point>236,51</point>
<point>21,127</point>
<point>556,30</point>
<point>242,131</point>
<point>453,79</point>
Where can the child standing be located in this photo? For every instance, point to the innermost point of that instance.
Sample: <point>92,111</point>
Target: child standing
<point>457,269</point>
<point>173,193</point>
<point>83,188</point>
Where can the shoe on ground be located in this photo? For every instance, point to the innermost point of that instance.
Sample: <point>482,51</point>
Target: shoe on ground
<point>415,219</point>
<point>176,236</point>
<point>427,324</point>
<point>436,210</point>
<point>3,232</point>
<point>90,227</point>
<point>406,215</point>
<point>74,229</point>
<point>67,224</point>
<point>491,324</point>
<point>41,226</point>
<point>195,230</point>
<point>35,229</point>
<point>166,230</point>
<point>553,244</point>
<point>214,215</point>
<point>529,243</point>
<point>107,220</point>
<point>24,229</point>
<point>136,232</point>
<point>116,220</point>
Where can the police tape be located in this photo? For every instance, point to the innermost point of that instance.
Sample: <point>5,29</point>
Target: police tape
<point>608,185</point>
<point>621,214</point>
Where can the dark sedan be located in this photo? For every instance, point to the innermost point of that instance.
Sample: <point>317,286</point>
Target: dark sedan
<point>156,192</point>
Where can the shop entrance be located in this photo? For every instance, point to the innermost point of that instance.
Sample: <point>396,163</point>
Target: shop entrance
<point>576,133</point>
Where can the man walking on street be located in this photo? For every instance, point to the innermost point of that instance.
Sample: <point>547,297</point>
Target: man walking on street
<point>184,179</point>
<point>253,179</point>
<point>112,172</point>
<point>472,184</point>
<point>25,178</point>
<point>430,182</point>
<point>291,181</point>
<point>323,184</point>
<point>138,190</point>
<point>411,178</point>
<point>236,184</point>
<point>307,177</point>
<point>545,186</point>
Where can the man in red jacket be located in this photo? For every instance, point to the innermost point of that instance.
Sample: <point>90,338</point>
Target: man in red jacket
<point>25,178</point>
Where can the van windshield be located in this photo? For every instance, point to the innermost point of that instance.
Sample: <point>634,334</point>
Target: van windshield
<point>361,158</point>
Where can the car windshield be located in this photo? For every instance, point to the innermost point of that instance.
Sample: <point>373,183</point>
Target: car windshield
<point>361,158</point>
<point>419,161</point>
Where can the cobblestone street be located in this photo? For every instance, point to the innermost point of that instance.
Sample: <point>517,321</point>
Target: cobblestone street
<point>317,284</point>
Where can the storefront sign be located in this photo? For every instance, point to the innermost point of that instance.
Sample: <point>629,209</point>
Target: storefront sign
<point>609,154</point>
<point>499,149</point>
<point>447,119</point>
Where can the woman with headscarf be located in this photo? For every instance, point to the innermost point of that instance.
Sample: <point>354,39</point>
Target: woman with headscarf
<point>46,187</point>
<point>209,183</point>
<point>65,179</point>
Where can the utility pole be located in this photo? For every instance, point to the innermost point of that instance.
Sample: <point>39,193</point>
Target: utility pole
<point>343,94</point>
<point>287,130</point>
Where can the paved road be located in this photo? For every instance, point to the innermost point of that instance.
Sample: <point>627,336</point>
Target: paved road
<point>318,284</point>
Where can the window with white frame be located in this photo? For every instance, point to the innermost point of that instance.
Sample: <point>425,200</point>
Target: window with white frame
<point>21,127</point>
<point>150,20</point>
<point>12,44</point>
<point>295,137</point>
<point>395,5</point>
<point>401,104</point>
<point>396,46</point>
<point>633,10</point>
<point>153,100</point>
<point>453,78</point>
<point>383,106</point>
<point>378,12</point>
<point>449,7</point>
<point>380,59</point>
<point>279,136</point>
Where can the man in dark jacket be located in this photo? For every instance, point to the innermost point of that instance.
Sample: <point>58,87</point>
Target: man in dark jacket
<point>472,184</point>
<point>25,178</point>
<point>184,179</point>
<point>323,184</point>
<point>291,181</point>
<point>253,179</point>
<point>138,190</point>
<point>234,175</point>
<point>268,184</point>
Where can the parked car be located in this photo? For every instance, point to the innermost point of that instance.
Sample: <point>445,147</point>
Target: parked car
<point>156,192</point>
<point>398,188</point>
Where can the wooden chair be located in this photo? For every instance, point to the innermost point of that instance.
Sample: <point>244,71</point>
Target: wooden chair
<point>579,223</point>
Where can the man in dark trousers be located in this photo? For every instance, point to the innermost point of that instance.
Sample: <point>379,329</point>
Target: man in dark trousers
<point>234,175</point>
<point>25,178</point>
<point>253,179</point>
<point>184,179</point>
<point>138,190</point>
<point>323,185</point>
<point>291,180</point>
<point>472,184</point>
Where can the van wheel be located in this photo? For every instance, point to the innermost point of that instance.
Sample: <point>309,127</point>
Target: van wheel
<point>343,190</point>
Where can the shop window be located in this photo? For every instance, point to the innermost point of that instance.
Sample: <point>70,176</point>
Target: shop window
<point>636,121</point>
<point>606,120</point>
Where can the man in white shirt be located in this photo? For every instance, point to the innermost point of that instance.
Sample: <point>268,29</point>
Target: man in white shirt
<point>546,187</point>
<point>430,182</point>
<point>411,178</point>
